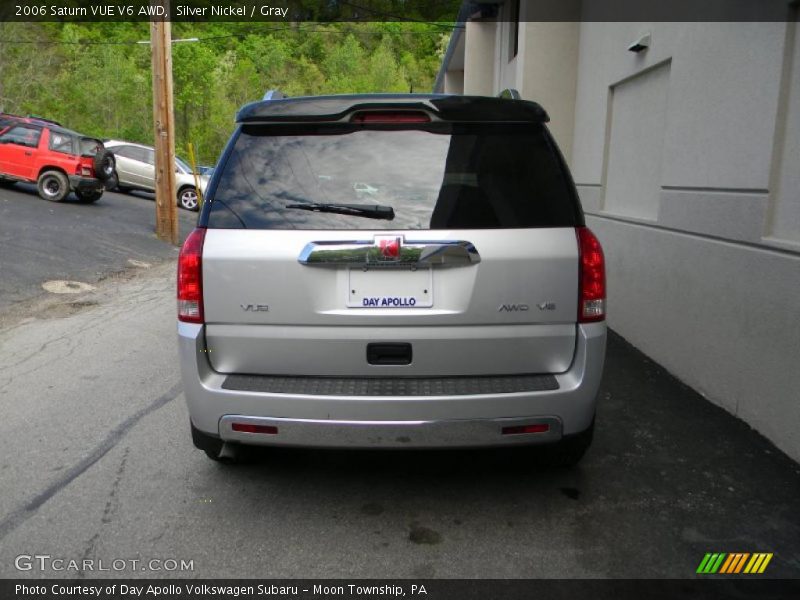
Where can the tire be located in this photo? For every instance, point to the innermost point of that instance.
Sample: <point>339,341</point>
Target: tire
<point>212,446</point>
<point>187,199</point>
<point>568,452</point>
<point>104,165</point>
<point>89,197</point>
<point>112,183</point>
<point>233,454</point>
<point>237,456</point>
<point>53,186</point>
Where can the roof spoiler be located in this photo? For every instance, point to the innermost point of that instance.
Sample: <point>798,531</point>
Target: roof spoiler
<point>316,109</point>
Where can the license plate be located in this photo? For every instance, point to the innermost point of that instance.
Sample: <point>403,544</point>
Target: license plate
<point>390,288</point>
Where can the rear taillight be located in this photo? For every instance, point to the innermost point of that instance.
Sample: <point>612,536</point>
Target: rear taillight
<point>592,292</point>
<point>83,171</point>
<point>190,278</point>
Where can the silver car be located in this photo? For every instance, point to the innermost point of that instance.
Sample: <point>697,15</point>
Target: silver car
<point>462,306</point>
<point>136,171</point>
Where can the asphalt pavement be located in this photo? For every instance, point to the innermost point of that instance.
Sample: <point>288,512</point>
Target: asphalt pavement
<point>42,241</point>
<point>98,464</point>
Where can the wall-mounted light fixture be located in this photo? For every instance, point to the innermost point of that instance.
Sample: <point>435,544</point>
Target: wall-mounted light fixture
<point>643,43</point>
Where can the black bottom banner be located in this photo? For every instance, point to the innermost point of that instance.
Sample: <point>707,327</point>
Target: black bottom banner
<point>428,589</point>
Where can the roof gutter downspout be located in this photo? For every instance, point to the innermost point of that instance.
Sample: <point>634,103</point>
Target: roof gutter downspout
<point>464,13</point>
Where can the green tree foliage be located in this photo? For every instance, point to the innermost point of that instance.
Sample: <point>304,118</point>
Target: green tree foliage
<point>96,79</point>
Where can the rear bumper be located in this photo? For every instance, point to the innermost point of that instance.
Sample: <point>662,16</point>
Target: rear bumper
<point>85,184</point>
<point>466,420</point>
<point>388,434</point>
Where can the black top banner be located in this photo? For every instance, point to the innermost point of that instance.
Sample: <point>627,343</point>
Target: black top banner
<point>395,10</point>
<point>229,10</point>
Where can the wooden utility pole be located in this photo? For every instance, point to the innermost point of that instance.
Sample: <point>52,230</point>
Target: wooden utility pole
<point>2,55</point>
<point>164,121</point>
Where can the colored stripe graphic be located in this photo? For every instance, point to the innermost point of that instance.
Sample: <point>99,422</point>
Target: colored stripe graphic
<point>732,558</point>
<point>749,567</point>
<point>734,563</point>
<point>758,563</point>
<point>703,563</point>
<point>728,564</point>
<point>741,562</point>
<point>717,564</point>
<point>765,563</point>
<point>711,563</point>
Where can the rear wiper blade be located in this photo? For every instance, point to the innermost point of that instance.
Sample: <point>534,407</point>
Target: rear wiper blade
<point>370,211</point>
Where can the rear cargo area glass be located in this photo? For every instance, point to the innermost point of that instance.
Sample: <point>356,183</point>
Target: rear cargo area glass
<point>442,176</point>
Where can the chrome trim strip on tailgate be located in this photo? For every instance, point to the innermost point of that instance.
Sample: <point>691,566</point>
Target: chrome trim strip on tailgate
<point>362,253</point>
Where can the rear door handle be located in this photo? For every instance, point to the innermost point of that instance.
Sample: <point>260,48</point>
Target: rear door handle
<point>390,251</point>
<point>28,153</point>
<point>389,354</point>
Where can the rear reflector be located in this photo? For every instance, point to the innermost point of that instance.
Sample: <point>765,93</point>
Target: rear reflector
<point>537,428</point>
<point>190,278</point>
<point>592,293</point>
<point>250,428</point>
<point>392,117</point>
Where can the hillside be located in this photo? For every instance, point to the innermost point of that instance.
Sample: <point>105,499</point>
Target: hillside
<point>95,78</point>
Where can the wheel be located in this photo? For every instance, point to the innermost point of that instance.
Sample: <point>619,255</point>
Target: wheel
<point>89,197</point>
<point>104,165</point>
<point>233,455</point>
<point>112,183</point>
<point>219,451</point>
<point>187,198</point>
<point>568,452</point>
<point>212,446</point>
<point>215,456</point>
<point>53,186</point>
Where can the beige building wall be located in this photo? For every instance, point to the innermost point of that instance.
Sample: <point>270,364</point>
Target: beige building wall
<point>686,158</point>
<point>544,68</point>
<point>546,71</point>
<point>479,58</point>
<point>454,82</point>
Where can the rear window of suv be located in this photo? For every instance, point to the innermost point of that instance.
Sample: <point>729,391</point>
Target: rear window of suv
<point>440,176</point>
<point>62,142</point>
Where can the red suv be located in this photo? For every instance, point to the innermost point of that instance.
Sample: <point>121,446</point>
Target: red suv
<point>56,159</point>
<point>7,119</point>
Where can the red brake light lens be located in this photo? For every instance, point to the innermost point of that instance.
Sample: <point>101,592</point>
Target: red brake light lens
<point>250,428</point>
<point>592,293</point>
<point>535,428</point>
<point>190,278</point>
<point>390,117</point>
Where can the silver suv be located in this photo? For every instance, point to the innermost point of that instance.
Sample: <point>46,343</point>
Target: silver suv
<point>460,303</point>
<point>136,170</point>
